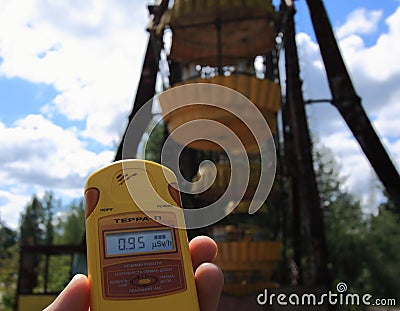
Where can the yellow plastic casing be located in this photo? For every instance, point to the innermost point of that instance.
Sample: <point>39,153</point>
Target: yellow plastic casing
<point>150,280</point>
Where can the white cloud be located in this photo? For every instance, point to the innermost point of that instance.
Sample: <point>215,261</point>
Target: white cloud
<point>359,177</point>
<point>387,120</point>
<point>360,21</point>
<point>39,155</point>
<point>312,68</point>
<point>90,51</point>
<point>378,63</point>
<point>12,204</point>
<point>395,147</point>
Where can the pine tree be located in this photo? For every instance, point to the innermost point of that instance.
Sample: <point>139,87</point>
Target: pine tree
<point>71,226</point>
<point>32,223</point>
<point>8,266</point>
<point>48,209</point>
<point>363,248</point>
<point>8,238</point>
<point>32,232</point>
<point>344,223</point>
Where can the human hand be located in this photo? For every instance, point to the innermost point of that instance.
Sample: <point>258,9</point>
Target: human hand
<point>209,281</point>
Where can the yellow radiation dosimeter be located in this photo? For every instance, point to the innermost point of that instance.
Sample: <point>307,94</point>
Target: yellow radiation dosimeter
<point>137,260</point>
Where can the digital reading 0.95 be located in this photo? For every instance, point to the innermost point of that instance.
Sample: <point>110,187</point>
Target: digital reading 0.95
<point>134,242</point>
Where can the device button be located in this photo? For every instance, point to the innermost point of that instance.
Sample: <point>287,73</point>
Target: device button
<point>144,280</point>
<point>92,196</point>
<point>174,192</point>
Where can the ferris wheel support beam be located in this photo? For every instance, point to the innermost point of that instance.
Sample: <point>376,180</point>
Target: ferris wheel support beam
<point>147,83</point>
<point>348,103</point>
<point>304,186</point>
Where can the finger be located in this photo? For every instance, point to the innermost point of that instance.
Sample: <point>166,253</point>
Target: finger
<point>74,297</point>
<point>209,283</point>
<point>202,249</point>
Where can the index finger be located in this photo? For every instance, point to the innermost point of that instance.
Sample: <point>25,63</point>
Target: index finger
<point>202,249</point>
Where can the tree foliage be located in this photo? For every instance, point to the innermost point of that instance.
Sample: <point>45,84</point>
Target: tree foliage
<point>8,238</point>
<point>49,205</point>
<point>363,248</point>
<point>71,224</point>
<point>8,266</point>
<point>155,143</point>
<point>43,222</point>
<point>383,256</point>
<point>32,223</point>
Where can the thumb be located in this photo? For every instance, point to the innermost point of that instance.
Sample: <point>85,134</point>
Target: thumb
<point>74,297</point>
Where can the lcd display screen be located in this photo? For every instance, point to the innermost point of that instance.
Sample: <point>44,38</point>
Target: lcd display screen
<point>134,242</point>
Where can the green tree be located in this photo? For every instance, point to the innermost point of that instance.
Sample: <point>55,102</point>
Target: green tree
<point>344,221</point>
<point>155,143</point>
<point>8,278</point>
<point>346,233</point>
<point>31,233</point>
<point>70,229</point>
<point>8,266</point>
<point>363,248</point>
<point>71,225</point>
<point>49,205</point>
<point>327,174</point>
<point>32,223</point>
<point>382,254</point>
<point>8,238</point>
<point>36,228</point>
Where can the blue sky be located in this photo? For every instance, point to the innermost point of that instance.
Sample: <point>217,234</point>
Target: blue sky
<point>339,11</point>
<point>69,71</point>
